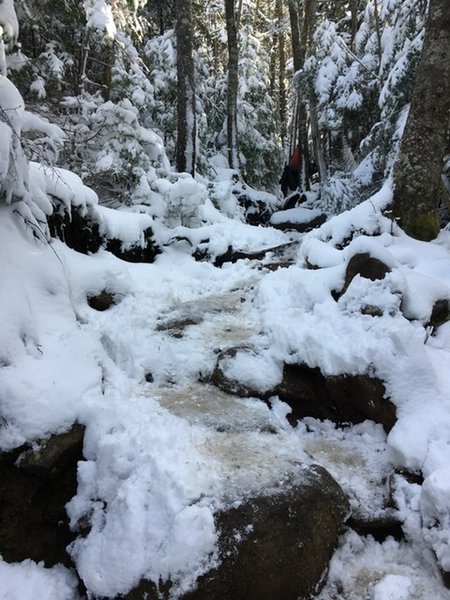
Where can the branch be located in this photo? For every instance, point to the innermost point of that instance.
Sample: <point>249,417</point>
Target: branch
<point>347,49</point>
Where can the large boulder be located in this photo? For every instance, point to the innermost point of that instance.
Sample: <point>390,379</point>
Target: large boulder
<point>345,398</point>
<point>277,545</point>
<point>80,230</point>
<point>228,385</point>
<point>298,219</point>
<point>360,397</point>
<point>305,390</point>
<point>49,459</point>
<point>35,485</point>
<point>341,398</point>
<point>366,266</point>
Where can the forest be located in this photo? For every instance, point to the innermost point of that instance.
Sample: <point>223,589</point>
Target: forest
<point>225,299</point>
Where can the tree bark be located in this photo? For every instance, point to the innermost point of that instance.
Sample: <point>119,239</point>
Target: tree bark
<point>354,21</point>
<point>295,35</point>
<point>378,34</point>
<point>186,123</point>
<point>281,69</point>
<point>417,172</point>
<point>299,135</point>
<point>300,47</point>
<point>232,92</point>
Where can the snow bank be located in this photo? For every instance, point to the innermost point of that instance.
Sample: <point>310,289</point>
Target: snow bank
<point>28,581</point>
<point>61,184</point>
<point>295,215</point>
<point>40,340</point>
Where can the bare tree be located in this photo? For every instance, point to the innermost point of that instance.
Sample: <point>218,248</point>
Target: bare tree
<point>233,57</point>
<point>301,31</point>
<point>187,130</point>
<point>354,4</point>
<point>417,172</point>
<point>281,67</point>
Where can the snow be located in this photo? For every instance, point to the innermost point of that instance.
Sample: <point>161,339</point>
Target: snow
<point>162,455</point>
<point>364,568</point>
<point>9,23</point>
<point>99,16</point>
<point>28,581</point>
<point>295,215</point>
<point>121,224</point>
<point>11,102</point>
<point>63,185</point>
<point>393,587</point>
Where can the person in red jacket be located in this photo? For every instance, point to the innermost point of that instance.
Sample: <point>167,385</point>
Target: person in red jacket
<point>290,180</point>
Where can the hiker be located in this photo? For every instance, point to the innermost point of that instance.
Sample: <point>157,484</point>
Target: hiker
<point>290,180</point>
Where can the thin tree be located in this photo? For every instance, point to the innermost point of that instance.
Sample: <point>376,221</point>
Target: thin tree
<point>418,169</point>
<point>186,118</point>
<point>232,91</point>
<point>300,133</point>
<point>281,67</point>
<point>354,4</point>
<point>302,31</point>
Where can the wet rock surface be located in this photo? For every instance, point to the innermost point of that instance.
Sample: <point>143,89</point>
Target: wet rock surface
<point>380,528</point>
<point>342,398</point>
<point>305,390</point>
<point>360,397</point>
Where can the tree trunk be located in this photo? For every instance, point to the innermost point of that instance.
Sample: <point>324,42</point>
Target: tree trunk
<point>317,142</point>
<point>295,35</point>
<point>417,172</point>
<point>186,142</point>
<point>300,130</point>
<point>232,92</point>
<point>354,21</point>
<point>300,47</point>
<point>281,69</point>
<point>378,33</point>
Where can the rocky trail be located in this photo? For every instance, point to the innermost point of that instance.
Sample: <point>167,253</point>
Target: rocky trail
<point>188,467</point>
